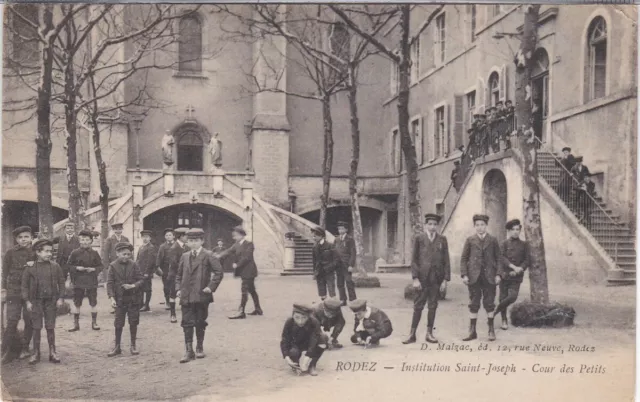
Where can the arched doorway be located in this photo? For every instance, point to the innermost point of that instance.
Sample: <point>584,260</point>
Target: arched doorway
<point>494,200</point>
<point>216,223</point>
<point>18,213</point>
<point>540,89</point>
<point>190,151</point>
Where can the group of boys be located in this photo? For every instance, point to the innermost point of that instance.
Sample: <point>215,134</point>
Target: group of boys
<point>487,130</point>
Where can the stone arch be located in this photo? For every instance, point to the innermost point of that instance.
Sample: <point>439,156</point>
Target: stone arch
<point>363,201</point>
<point>494,201</point>
<point>191,143</point>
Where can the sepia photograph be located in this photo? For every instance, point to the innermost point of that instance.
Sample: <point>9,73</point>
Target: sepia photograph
<point>319,201</point>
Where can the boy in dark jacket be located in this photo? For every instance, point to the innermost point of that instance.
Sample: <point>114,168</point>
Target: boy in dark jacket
<point>176,251</point>
<point>371,324</point>
<point>85,265</point>
<point>199,274</point>
<point>329,315</point>
<point>146,259</point>
<point>163,262</point>
<point>124,281</point>
<point>42,292</point>
<point>302,343</point>
<point>346,249</point>
<point>325,263</point>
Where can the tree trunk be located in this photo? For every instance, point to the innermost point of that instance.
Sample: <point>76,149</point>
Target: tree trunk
<point>353,173</point>
<point>327,160</point>
<point>104,190</point>
<point>406,143</point>
<point>531,190</point>
<point>43,135</point>
<point>75,198</point>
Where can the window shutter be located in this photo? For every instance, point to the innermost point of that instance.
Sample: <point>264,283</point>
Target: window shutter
<point>417,141</point>
<point>480,96</point>
<point>435,144</point>
<point>426,53</point>
<point>436,45</point>
<point>392,78</point>
<point>447,133</point>
<point>458,129</point>
<point>503,83</point>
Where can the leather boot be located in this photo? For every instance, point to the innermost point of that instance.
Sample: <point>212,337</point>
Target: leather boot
<point>147,299</point>
<point>116,350</point>
<point>26,340</point>
<point>505,321</point>
<point>166,304</point>
<point>8,338</point>
<point>472,331</point>
<point>431,318</point>
<point>492,332</point>
<point>133,329</point>
<point>35,357</point>
<point>188,354</point>
<point>238,315</point>
<point>199,344</point>
<point>51,339</point>
<point>172,307</point>
<point>94,322</point>
<point>76,323</point>
<point>411,338</point>
<point>429,337</point>
<point>256,303</point>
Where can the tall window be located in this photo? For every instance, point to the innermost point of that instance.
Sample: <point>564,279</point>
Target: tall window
<point>394,82</point>
<point>415,60</point>
<point>470,108</point>
<point>472,18</point>
<point>25,37</point>
<point>340,41</point>
<point>190,45</point>
<point>439,135</point>
<point>494,88</point>
<point>597,59</point>
<point>440,38</point>
<point>417,140</point>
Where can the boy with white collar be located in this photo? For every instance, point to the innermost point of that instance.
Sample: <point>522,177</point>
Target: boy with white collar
<point>371,324</point>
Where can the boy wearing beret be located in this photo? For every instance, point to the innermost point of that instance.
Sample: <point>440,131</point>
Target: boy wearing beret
<point>346,249</point>
<point>84,266</point>
<point>13,265</point>
<point>42,292</point>
<point>175,254</point>
<point>514,260</point>
<point>329,315</point>
<point>479,265</point>
<point>371,324</point>
<point>325,263</point>
<point>302,343</point>
<point>123,288</point>
<point>163,262</point>
<point>199,274</point>
<point>146,259</point>
<point>430,270</point>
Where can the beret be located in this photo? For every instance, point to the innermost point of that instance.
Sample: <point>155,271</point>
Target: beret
<point>238,229</point>
<point>21,229</point>
<point>343,224</point>
<point>40,243</point>
<point>302,309</point>
<point>195,233</point>
<point>332,304</point>
<point>358,305</point>
<point>480,217</point>
<point>434,217</point>
<point>146,232</point>
<point>566,149</point>
<point>117,225</point>
<point>122,245</point>
<point>86,233</point>
<point>318,230</point>
<point>167,230</point>
<point>512,223</point>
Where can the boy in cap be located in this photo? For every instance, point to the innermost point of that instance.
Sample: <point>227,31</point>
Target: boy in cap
<point>110,246</point>
<point>199,274</point>
<point>244,266</point>
<point>329,315</point>
<point>346,248</point>
<point>123,288</point>
<point>567,161</point>
<point>43,291</point>
<point>509,109</point>
<point>454,174</point>
<point>514,260</point>
<point>479,268</point>
<point>302,343</point>
<point>175,254</point>
<point>585,203</point>
<point>325,263</point>
<point>163,262</point>
<point>371,324</point>
<point>85,264</point>
<point>430,270</point>
<point>13,265</point>
<point>66,244</point>
<point>146,260</point>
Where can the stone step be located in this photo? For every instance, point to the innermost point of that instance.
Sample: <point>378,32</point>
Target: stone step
<point>296,272</point>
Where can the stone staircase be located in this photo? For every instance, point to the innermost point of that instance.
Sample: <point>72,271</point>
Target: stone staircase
<point>303,257</point>
<point>615,237</point>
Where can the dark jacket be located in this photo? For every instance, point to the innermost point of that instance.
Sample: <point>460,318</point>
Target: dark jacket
<point>428,256</point>
<point>146,259</point>
<point>346,249</point>
<point>516,252</point>
<point>13,265</point>
<point>305,338</point>
<point>336,322</point>
<point>110,247</point>
<point>378,325</point>
<point>84,257</point>
<point>65,248</point>
<point>580,172</point>
<point>325,258</point>
<point>242,255</point>
<point>163,260</point>
<point>45,276</point>
<point>125,273</point>
<point>568,162</point>
<point>191,279</point>
<point>175,253</point>
<point>477,254</point>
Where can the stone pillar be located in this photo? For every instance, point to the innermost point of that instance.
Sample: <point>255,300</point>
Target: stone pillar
<point>218,181</point>
<point>169,189</point>
<point>289,254</point>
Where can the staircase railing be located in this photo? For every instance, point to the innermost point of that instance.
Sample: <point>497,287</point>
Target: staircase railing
<point>579,197</point>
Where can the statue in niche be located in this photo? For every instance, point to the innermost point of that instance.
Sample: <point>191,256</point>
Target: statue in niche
<point>215,150</point>
<point>167,148</point>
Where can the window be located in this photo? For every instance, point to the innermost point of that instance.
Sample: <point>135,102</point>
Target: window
<point>416,135</point>
<point>397,162</point>
<point>415,60</point>
<point>440,209</point>
<point>340,41</point>
<point>470,107</point>
<point>392,229</point>
<point>190,152</point>
<point>494,89</point>
<point>440,38</point>
<point>25,37</point>
<point>540,80</point>
<point>596,68</point>
<point>190,45</point>
<point>496,9</point>
<point>190,218</point>
<point>395,78</point>
<point>439,135</point>
<point>472,22</point>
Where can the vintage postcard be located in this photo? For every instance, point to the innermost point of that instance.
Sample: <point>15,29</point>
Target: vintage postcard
<point>319,202</point>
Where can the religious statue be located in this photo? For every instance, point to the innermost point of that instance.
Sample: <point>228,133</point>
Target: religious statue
<point>167,148</point>
<point>215,150</point>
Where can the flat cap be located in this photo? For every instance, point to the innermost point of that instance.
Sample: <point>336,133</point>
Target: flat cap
<point>21,229</point>
<point>180,231</point>
<point>302,309</point>
<point>358,305</point>
<point>122,245</point>
<point>95,234</point>
<point>432,217</point>
<point>40,243</point>
<point>478,115</point>
<point>86,233</point>
<point>456,162</point>
<point>512,223</point>
<point>579,159</point>
<point>318,230</point>
<point>343,224</point>
<point>195,233</point>
<point>69,224</point>
<point>167,230</point>
<point>332,304</point>
<point>568,149</point>
<point>146,232</point>
<point>117,225</point>
<point>499,103</point>
<point>480,217</point>
<point>238,229</point>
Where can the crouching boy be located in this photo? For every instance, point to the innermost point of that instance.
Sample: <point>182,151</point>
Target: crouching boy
<point>42,291</point>
<point>303,342</point>
<point>371,324</point>
<point>329,315</point>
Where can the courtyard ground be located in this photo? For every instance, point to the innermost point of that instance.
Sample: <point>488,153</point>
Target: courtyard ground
<point>244,362</point>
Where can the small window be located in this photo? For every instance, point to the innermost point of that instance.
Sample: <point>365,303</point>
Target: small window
<point>440,209</point>
<point>441,38</point>
<point>440,135</point>
<point>494,88</point>
<point>25,42</point>
<point>470,108</point>
<point>190,45</point>
<point>472,22</point>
